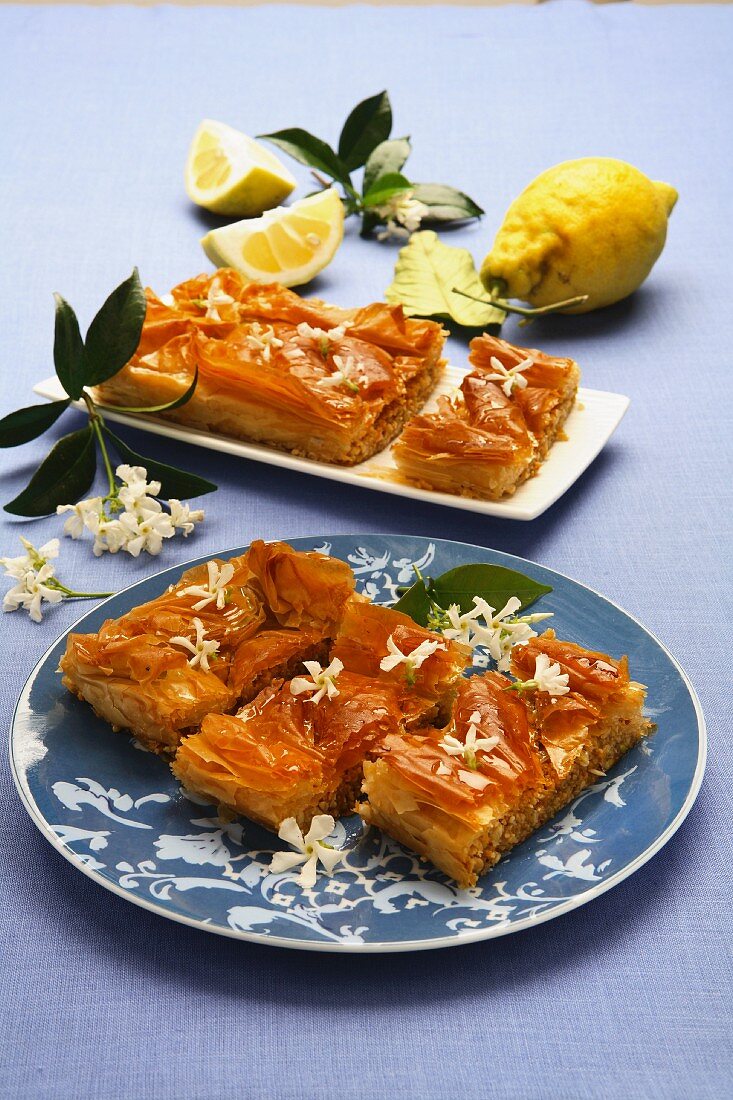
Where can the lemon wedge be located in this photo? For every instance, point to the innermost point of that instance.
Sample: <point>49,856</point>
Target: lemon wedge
<point>230,173</point>
<point>288,245</point>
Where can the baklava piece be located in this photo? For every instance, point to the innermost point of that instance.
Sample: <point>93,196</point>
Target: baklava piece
<point>549,390</point>
<point>465,795</point>
<point>328,384</point>
<point>290,753</point>
<point>494,433</point>
<point>210,642</point>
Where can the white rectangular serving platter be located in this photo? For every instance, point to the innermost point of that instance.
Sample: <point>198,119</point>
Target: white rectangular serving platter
<point>590,425</point>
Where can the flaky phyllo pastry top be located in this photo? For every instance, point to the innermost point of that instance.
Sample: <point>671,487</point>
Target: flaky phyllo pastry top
<point>298,374</point>
<point>137,676</point>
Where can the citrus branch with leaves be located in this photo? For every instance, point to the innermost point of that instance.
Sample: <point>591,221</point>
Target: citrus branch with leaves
<point>69,469</point>
<point>387,197</point>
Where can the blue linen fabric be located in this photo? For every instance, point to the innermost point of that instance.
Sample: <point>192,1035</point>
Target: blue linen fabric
<point>627,997</point>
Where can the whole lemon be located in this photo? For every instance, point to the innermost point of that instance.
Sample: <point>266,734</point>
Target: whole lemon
<point>592,226</point>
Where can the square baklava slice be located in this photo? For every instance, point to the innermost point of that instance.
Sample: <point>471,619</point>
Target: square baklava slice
<point>290,753</point>
<point>509,760</point>
<point>493,434</point>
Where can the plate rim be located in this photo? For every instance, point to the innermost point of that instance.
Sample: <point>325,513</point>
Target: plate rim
<point>466,936</point>
<point>346,475</point>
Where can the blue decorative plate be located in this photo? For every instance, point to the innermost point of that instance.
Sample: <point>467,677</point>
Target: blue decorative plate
<point>117,813</point>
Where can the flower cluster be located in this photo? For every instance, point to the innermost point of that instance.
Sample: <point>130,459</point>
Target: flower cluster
<point>510,377</point>
<point>36,581</point>
<point>129,518</point>
<point>403,215</point>
<point>499,632</point>
<point>309,849</point>
<point>323,681</point>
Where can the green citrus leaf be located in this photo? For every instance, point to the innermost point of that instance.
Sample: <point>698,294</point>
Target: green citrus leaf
<point>368,124</point>
<point>173,482</point>
<point>388,156</point>
<point>309,150</point>
<point>64,476</point>
<point>68,349</point>
<point>114,334</point>
<point>446,204</point>
<point>494,583</point>
<point>426,272</point>
<point>382,190</point>
<point>28,423</point>
<point>415,602</point>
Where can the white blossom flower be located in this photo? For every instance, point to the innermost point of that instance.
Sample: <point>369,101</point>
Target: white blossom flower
<point>344,375</point>
<point>547,677</point>
<point>473,743</point>
<point>36,580</point>
<point>81,515</point>
<point>403,213</point>
<point>500,630</point>
<point>322,682</point>
<point>262,339</point>
<point>411,661</point>
<point>136,487</point>
<point>215,298</point>
<point>309,849</point>
<point>17,567</point>
<point>510,377</point>
<point>32,559</point>
<point>32,588</point>
<point>214,590</point>
<point>109,535</point>
<point>321,337</point>
<point>201,649</point>
<point>183,517</point>
<point>144,532</point>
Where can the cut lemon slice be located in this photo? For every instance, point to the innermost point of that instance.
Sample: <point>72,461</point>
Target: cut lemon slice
<point>288,245</point>
<point>229,173</point>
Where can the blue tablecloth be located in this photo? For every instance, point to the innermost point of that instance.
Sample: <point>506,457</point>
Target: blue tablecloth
<point>629,996</point>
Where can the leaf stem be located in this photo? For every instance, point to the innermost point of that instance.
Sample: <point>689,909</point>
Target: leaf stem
<point>96,421</point>
<point>72,594</point>
<point>523,311</point>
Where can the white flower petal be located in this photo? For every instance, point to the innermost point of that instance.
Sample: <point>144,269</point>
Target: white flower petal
<point>329,857</point>
<point>321,826</point>
<point>285,861</point>
<point>308,875</point>
<point>290,832</point>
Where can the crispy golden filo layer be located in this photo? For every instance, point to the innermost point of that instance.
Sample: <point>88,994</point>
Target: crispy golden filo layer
<point>539,752</point>
<point>331,384</point>
<point>483,442</point>
<point>285,755</point>
<point>425,693</point>
<point>280,607</point>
